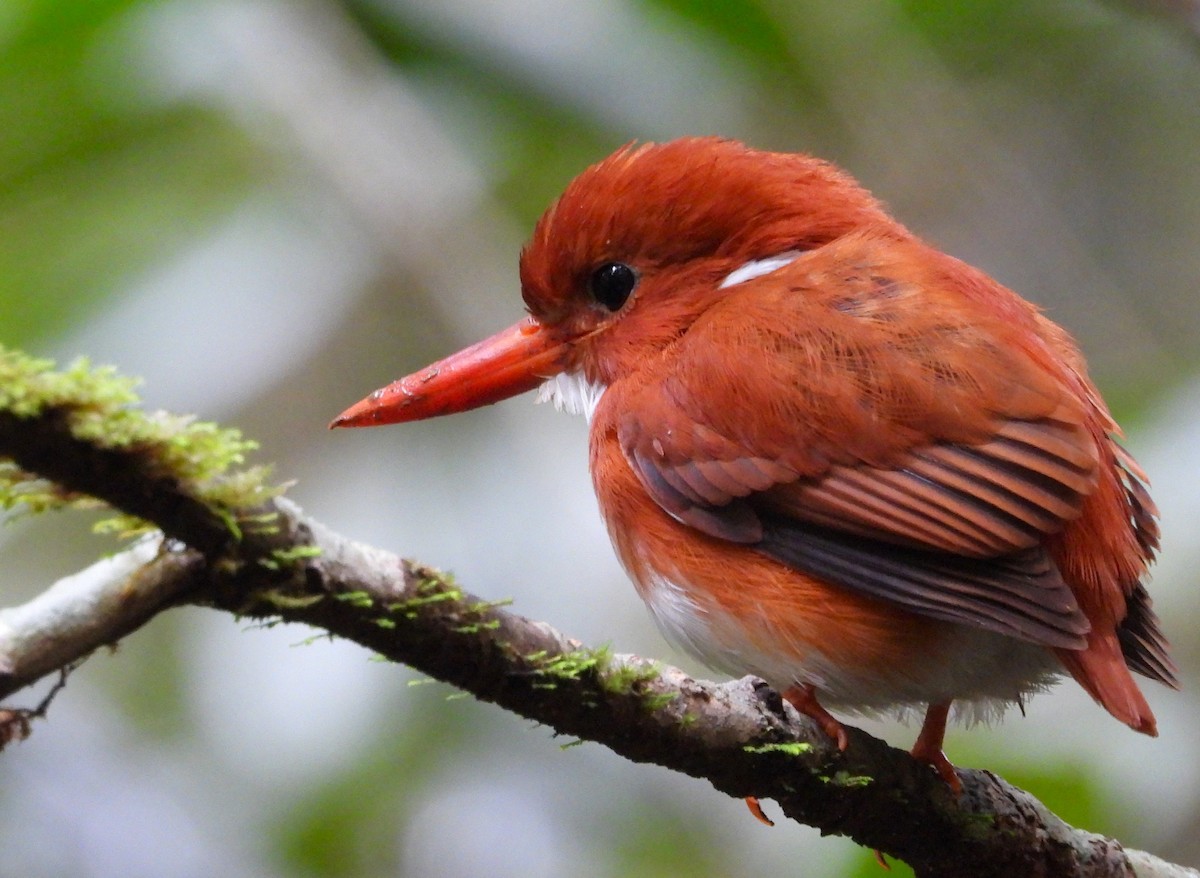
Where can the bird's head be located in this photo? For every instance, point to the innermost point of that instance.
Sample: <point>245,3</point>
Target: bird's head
<point>629,256</point>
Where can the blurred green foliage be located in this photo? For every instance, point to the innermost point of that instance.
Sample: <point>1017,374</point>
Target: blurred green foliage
<point>94,184</point>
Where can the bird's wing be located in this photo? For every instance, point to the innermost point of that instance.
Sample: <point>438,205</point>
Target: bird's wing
<point>876,431</point>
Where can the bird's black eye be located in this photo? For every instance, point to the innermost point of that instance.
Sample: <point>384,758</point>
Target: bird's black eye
<point>611,284</point>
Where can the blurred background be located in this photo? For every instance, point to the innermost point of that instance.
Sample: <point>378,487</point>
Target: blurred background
<point>268,209</point>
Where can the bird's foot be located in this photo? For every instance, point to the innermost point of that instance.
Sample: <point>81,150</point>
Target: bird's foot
<point>928,748</point>
<point>757,811</point>
<point>804,699</point>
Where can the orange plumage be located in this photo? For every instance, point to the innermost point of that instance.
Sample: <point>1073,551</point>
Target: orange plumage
<point>826,452</point>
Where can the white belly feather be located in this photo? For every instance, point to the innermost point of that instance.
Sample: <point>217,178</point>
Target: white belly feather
<point>982,672</point>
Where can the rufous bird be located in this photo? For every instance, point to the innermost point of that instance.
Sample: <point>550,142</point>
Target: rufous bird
<point>827,453</point>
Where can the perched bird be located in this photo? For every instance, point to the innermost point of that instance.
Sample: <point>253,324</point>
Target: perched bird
<point>827,453</point>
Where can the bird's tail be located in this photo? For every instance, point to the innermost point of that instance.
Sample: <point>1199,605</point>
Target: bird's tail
<point>1101,670</point>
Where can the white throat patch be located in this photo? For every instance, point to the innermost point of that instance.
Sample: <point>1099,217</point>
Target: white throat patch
<point>572,393</point>
<point>757,268</point>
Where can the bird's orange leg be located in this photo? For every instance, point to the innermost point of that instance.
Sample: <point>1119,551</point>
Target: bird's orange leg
<point>804,699</point>
<point>928,748</point>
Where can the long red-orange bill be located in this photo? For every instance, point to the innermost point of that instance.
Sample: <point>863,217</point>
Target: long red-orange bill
<point>510,362</point>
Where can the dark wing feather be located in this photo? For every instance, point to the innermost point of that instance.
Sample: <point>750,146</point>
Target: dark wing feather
<point>1021,595</point>
<point>730,520</point>
<point>999,496</point>
<point>1142,641</point>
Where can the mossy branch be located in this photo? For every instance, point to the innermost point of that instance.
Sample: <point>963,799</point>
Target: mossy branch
<point>76,436</point>
<point>233,545</point>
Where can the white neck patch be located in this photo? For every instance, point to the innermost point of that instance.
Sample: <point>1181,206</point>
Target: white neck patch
<point>572,393</point>
<point>757,268</point>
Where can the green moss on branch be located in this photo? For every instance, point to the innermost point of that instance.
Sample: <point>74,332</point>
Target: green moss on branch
<point>76,436</point>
